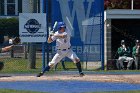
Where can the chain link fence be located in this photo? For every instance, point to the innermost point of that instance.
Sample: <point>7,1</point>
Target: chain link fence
<point>27,58</point>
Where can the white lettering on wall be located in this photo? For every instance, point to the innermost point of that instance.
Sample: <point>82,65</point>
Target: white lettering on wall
<point>82,50</point>
<point>78,9</point>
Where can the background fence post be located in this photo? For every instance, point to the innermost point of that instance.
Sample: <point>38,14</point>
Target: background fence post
<point>32,56</point>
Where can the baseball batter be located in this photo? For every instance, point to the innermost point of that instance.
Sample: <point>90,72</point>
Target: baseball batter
<point>63,46</point>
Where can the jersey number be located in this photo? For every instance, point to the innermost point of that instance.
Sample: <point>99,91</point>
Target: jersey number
<point>65,40</point>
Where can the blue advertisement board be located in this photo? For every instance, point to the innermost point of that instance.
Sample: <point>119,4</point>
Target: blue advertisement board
<point>86,19</point>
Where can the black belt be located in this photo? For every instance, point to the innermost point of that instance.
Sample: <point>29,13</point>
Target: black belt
<point>63,49</point>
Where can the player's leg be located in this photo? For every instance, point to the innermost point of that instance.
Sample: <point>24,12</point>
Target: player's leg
<point>76,60</point>
<point>130,61</point>
<point>63,64</point>
<point>136,62</point>
<point>55,67</point>
<point>120,61</point>
<point>54,61</point>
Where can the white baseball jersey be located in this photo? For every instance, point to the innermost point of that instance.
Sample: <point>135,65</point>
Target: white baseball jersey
<point>62,43</point>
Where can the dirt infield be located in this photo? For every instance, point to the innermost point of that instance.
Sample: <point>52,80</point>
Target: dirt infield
<point>132,78</point>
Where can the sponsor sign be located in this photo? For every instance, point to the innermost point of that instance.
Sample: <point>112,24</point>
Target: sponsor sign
<point>32,27</point>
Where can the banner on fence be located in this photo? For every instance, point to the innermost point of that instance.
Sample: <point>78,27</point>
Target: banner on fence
<point>32,27</point>
<point>85,19</point>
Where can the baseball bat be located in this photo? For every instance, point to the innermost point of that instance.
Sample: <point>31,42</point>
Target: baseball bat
<point>54,26</point>
<point>69,23</point>
<point>69,26</point>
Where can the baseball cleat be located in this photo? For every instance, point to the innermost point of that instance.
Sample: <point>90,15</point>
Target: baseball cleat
<point>40,74</point>
<point>81,74</point>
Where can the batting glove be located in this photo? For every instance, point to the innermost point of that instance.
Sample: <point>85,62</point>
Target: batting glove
<point>51,33</point>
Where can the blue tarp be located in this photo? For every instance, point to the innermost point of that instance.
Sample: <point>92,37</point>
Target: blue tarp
<point>68,86</point>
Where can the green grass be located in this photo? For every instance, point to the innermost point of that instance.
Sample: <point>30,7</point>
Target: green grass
<point>20,65</point>
<point>18,91</point>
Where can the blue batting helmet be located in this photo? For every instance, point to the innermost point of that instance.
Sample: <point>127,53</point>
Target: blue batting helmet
<point>60,24</point>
